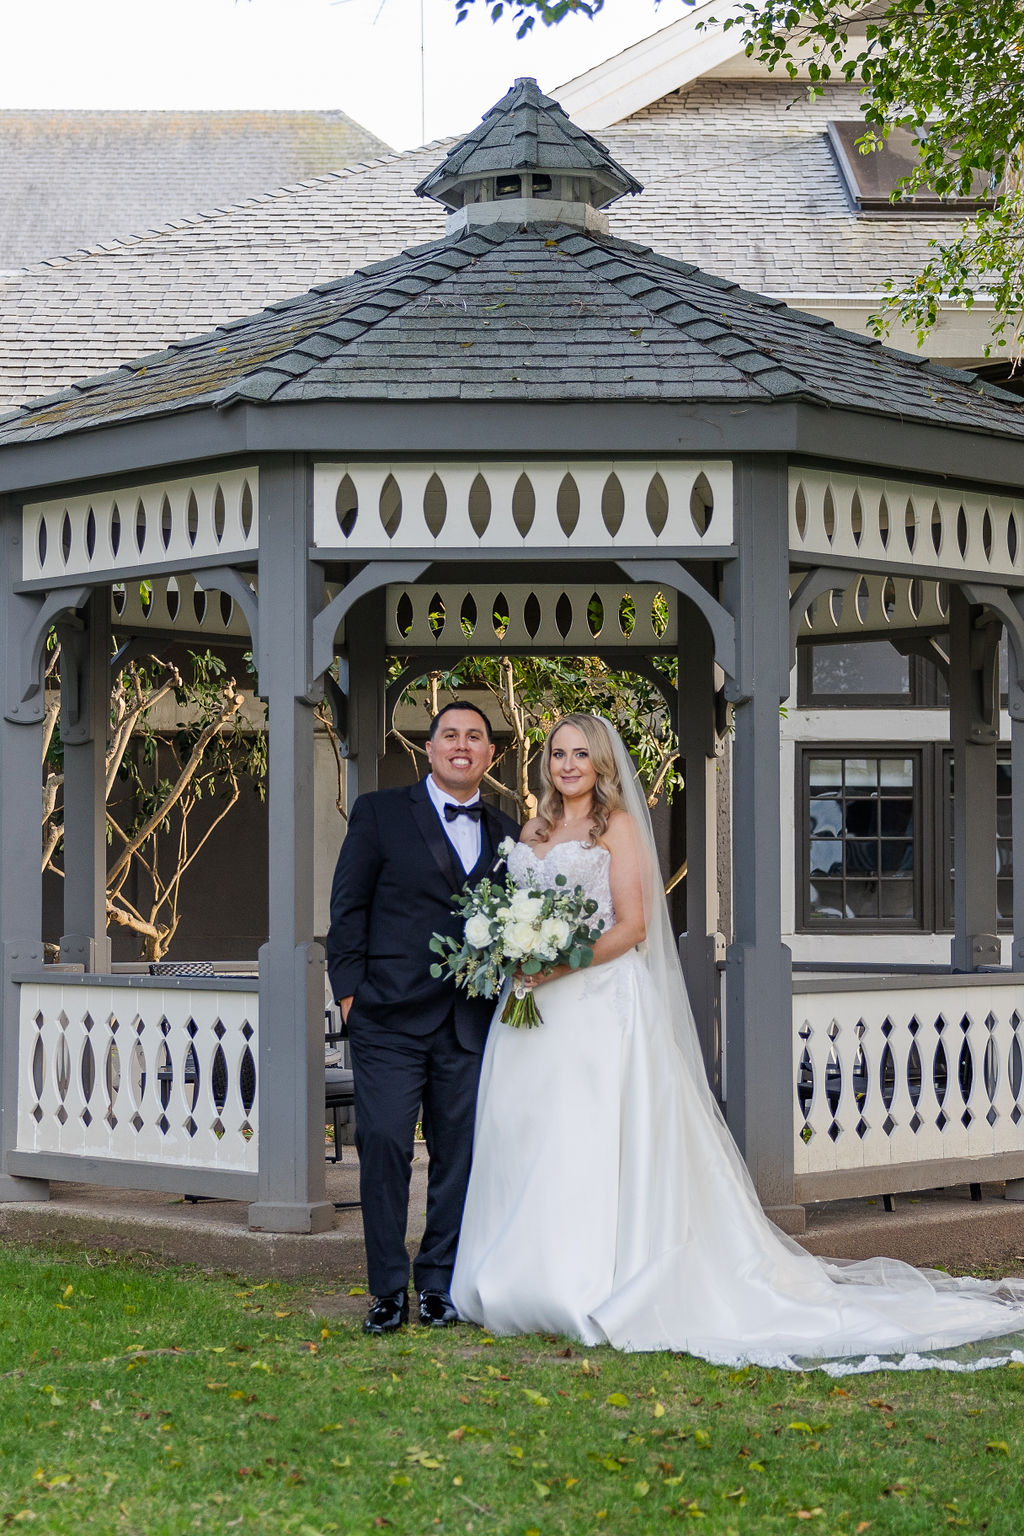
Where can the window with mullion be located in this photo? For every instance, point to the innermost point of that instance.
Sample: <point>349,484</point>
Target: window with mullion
<point>861,857</point>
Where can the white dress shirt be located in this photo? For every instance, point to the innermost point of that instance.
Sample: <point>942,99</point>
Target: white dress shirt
<point>464,832</point>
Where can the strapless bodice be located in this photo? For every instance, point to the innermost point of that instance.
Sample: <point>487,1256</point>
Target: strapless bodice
<point>584,864</point>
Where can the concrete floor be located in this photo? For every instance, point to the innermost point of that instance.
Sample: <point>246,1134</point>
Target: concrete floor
<point>937,1227</point>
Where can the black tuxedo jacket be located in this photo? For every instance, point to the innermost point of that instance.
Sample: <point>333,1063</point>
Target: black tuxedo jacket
<point>393,885</point>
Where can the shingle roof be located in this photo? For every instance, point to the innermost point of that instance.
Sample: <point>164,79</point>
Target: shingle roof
<point>738,174</point>
<point>526,130</point>
<point>547,313</point>
<point>71,179</point>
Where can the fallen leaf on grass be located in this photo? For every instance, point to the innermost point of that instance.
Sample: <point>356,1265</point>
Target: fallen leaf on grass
<point>536,1398</point>
<point>809,1514</point>
<point>617,1400</point>
<point>999,1447</point>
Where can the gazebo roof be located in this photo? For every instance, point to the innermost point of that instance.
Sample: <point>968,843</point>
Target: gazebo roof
<point>526,310</point>
<point>542,313</point>
<point>526,130</point>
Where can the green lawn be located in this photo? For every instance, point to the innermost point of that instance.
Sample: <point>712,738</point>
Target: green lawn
<point>151,1401</point>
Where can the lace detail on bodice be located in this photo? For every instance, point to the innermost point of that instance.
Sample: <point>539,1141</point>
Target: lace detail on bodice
<point>583,864</point>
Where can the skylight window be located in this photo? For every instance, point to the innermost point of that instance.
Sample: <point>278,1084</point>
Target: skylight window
<point>871,178</point>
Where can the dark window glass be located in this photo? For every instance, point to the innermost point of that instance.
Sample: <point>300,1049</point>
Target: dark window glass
<point>861,863</point>
<point>871,178</point>
<point>865,666</point>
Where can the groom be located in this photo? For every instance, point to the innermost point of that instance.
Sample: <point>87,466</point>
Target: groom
<point>413,1040</point>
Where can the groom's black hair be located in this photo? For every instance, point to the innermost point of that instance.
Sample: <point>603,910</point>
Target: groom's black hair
<point>460,704</point>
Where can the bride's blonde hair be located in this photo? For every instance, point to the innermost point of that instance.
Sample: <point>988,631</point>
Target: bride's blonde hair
<point>607,787</point>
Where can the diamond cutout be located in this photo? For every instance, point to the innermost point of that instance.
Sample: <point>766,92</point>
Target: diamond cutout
<point>888,1125</point>
<point>887,1027</point>
<point>992,1115</point>
<point>192,1028</point>
<point>86,1117</point>
<point>862,1127</point>
<point>62,1115</point>
<point>1015,1114</point>
<point>163,1124</point>
<point>941,1119</point>
<point>191,1126</point>
<point>37,1114</point>
<point>247,1030</point>
<point>218,1127</point>
<point>219,1029</point>
<point>966,1118</point>
<point>137,1121</point>
<point>834,1131</point>
<point>915,1122</point>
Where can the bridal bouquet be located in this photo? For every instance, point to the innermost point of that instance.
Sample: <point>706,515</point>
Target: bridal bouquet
<point>514,929</point>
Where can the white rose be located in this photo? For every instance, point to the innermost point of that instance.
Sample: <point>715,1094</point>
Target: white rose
<point>519,939</point>
<point>505,846</point>
<point>478,931</point>
<point>554,933</point>
<point>526,905</point>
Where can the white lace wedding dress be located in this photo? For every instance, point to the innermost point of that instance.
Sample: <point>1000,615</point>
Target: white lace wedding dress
<point>606,1201</point>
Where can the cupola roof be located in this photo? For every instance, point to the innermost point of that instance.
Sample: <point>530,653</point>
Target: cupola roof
<point>527,135</point>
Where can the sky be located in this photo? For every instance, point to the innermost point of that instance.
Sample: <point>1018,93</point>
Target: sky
<point>362,56</point>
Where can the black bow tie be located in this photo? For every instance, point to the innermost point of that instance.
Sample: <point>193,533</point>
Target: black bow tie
<point>451,811</point>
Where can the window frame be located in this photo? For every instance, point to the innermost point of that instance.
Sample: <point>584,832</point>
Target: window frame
<point>924,883</point>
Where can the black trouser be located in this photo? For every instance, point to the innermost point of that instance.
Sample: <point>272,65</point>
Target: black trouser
<point>394,1075</point>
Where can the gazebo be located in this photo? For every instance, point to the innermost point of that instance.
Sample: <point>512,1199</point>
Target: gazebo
<point>528,436</point>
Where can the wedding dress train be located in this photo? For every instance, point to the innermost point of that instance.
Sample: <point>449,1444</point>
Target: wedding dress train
<point>608,1202</point>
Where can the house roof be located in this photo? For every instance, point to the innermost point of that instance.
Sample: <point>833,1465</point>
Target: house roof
<point>739,179</point>
<point>544,313</point>
<point>527,130</point>
<point>73,179</point>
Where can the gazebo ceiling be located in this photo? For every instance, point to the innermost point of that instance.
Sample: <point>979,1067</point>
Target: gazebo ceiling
<point>531,311</point>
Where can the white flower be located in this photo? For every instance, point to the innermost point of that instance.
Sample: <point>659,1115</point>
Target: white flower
<point>505,846</point>
<point>554,934</point>
<point>478,931</point>
<point>526,905</point>
<point>519,938</point>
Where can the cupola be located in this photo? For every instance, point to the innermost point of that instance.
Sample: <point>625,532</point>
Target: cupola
<point>527,163</point>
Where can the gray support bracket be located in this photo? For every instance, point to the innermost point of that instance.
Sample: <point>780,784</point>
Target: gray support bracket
<point>818,581</point>
<point>27,707</point>
<point>928,648</point>
<point>1008,608</point>
<point>378,573</point>
<point>669,573</point>
<point>225,578</point>
<point>73,635</point>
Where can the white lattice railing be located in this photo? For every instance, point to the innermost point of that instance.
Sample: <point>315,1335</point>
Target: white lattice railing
<point>579,505</point>
<point>858,517</point>
<point>513,616</point>
<point>166,524</point>
<point>915,1070</point>
<point>140,1074</point>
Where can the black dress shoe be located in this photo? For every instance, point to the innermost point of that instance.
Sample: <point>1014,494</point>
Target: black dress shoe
<point>437,1310</point>
<point>387,1313</point>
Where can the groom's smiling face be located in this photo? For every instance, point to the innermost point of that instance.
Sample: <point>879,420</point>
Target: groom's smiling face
<point>460,754</point>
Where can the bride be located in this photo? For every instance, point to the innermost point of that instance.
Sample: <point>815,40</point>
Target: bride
<point>607,1199</point>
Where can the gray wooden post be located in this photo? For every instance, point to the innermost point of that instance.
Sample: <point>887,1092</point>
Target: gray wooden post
<point>759,1002</point>
<point>364,632</point>
<point>21,844</point>
<point>1016,708</point>
<point>698,746</point>
<point>291,1187</point>
<point>974,733</point>
<point>85,715</point>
